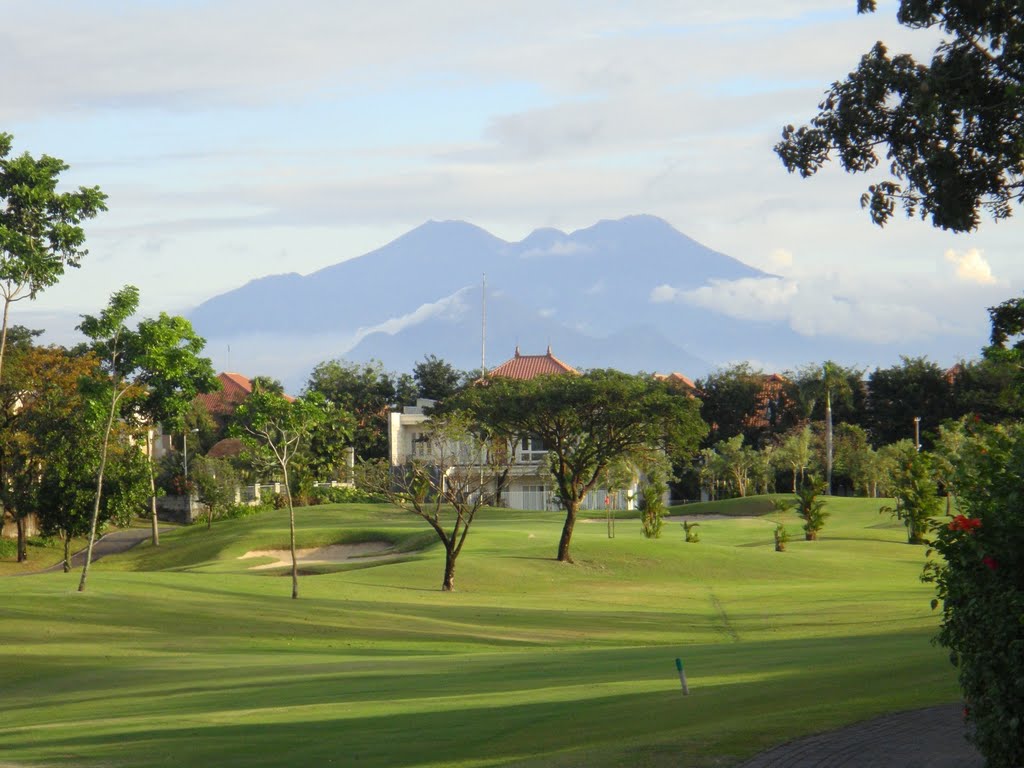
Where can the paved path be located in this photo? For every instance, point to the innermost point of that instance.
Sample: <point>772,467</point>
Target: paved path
<point>922,738</point>
<point>112,544</point>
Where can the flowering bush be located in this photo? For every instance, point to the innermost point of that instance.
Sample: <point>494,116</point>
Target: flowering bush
<point>981,589</point>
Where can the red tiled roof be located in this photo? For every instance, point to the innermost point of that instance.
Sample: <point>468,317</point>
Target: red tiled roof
<point>528,366</point>
<point>678,379</point>
<point>771,398</point>
<point>234,389</point>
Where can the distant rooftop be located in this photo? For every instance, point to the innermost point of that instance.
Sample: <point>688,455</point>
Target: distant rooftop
<point>234,389</point>
<point>527,366</point>
<point>678,380</point>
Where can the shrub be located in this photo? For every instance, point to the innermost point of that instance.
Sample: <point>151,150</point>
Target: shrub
<point>692,537</point>
<point>236,511</point>
<point>343,494</point>
<point>781,537</point>
<point>981,589</point>
<point>8,547</point>
<point>917,500</point>
<point>652,507</point>
<point>811,507</point>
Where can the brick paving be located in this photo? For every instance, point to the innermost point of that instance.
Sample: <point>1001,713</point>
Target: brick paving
<point>922,738</point>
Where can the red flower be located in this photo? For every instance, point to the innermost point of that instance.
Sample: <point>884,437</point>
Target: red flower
<point>991,562</point>
<point>966,524</point>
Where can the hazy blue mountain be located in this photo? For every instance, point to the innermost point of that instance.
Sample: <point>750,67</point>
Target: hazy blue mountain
<point>587,294</point>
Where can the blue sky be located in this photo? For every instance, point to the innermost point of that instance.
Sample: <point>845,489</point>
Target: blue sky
<point>238,139</point>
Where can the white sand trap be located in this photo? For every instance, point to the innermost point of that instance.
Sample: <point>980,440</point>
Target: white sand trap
<point>334,553</point>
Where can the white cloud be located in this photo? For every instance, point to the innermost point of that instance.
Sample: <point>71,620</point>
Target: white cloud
<point>823,305</point>
<point>453,305</point>
<point>558,248</point>
<point>971,266</point>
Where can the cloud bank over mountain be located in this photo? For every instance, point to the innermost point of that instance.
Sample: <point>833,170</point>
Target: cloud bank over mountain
<point>632,293</point>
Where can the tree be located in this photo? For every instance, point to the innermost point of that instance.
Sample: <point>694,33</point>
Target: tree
<point>738,460</point>
<point>794,452</point>
<point>40,419</point>
<point>917,501</point>
<point>917,387</point>
<point>166,354</point>
<point>857,460</point>
<point>446,490</point>
<point>275,429</point>
<point>108,334</point>
<point>39,227</point>
<point>215,482</point>
<point>367,392</point>
<point>586,422</point>
<point>156,368</point>
<point>728,397</point>
<point>830,382</point>
<point>951,128</point>
<point>436,379</point>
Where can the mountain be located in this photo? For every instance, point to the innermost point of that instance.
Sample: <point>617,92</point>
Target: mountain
<point>600,297</point>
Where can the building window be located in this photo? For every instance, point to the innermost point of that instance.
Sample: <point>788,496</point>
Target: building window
<point>531,448</point>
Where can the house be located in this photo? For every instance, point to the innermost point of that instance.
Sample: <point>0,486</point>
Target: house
<point>527,484</point>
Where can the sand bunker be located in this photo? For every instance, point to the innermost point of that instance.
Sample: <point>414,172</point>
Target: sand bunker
<point>335,553</point>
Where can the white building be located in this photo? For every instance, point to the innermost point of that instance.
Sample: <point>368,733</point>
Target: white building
<point>528,484</point>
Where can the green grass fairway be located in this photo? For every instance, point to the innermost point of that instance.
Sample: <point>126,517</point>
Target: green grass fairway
<point>183,656</point>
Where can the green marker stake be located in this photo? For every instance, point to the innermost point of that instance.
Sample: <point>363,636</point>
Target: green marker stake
<point>682,677</point>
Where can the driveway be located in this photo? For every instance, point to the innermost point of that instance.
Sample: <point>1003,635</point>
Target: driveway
<point>921,738</point>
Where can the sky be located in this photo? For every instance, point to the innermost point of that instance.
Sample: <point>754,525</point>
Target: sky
<point>239,139</point>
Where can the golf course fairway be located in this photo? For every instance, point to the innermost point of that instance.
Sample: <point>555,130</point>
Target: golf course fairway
<point>183,655</point>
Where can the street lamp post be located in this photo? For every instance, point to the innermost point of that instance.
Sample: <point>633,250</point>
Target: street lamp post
<point>188,491</point>
<point>917,433</point>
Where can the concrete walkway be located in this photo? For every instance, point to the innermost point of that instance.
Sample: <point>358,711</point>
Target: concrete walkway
<point>921,738</point>
<point>112,544</point>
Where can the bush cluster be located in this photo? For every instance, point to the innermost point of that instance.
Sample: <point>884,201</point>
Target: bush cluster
<point>980,586</point>
<point>343,495</point>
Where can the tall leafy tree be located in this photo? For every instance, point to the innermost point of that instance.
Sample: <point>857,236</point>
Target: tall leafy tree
<point>728,397</point>
<point>917,387</point>
<point>366,391</point>
<point>794,453</point>
<point>40,228</point>
<point>276,429</point>
<point>830,383</point>
<point>41,419</point>
<point>437,379</point>
<point>168,365</point>
<point>950,128</point>
<point>155,368</point>
<point>586,422</point>
<point>110,388</point>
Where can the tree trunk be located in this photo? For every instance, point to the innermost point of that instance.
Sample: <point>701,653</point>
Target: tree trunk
<point>570,522</point>
<point>828,442</point>
<point>22,525</point>
<point>152,489</point>
<point>291,532</point>
<point>3,335</point>
<point>811,535</point>
<point>794,480</point>
<point>99,488</point>
<point>67,552</point>
<point>448,585</point>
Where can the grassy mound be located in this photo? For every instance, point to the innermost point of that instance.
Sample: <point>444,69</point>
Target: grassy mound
<point>179,655</point>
